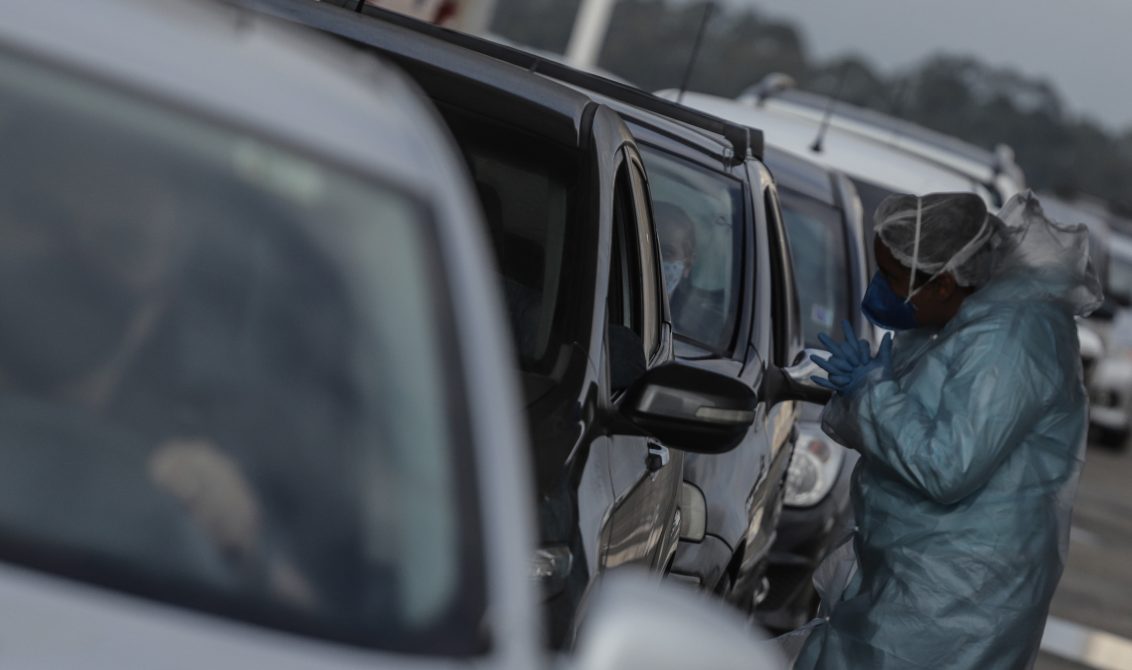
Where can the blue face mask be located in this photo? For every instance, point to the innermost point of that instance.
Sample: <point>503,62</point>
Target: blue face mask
<point>886,309</point>
<point>673,272</point>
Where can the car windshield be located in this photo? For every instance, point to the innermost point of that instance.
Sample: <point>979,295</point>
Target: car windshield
<point>221,378</point>
<point>818,247</point>
<point>699,223</point>
<point>527,188</point>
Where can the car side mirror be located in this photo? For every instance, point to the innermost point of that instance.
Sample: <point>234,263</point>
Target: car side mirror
<point>796,383</point>
<point>690,409</point>
<point>637,621</point>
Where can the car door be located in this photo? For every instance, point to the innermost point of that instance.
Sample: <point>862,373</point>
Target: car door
<point>703,217</point>
<point>645,474</point>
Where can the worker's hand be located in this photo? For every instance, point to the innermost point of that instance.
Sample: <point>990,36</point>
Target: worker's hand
<point>850,361</point>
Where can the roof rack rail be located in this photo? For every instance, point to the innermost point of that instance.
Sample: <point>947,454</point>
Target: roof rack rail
<point>745,141</point>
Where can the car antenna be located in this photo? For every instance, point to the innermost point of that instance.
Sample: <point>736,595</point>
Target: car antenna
<point>816,147</point>
<point>708,9</point>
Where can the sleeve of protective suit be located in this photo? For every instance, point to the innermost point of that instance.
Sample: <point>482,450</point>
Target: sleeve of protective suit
<point>947,438</point>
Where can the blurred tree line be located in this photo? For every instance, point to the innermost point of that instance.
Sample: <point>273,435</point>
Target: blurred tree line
<point>650,43</point>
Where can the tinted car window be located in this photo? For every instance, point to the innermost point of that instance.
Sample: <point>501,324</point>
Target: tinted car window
<point>526,186</point>
<point>222,382</point>
<point>699,222</point>
<point>818,248</point>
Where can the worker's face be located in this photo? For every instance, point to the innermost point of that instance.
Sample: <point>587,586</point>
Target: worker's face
<point>934,301</point>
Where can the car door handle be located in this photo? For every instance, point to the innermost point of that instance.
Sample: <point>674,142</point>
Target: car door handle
<point>658,457</point>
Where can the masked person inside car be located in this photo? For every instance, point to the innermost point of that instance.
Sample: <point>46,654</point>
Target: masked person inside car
<point>971,427</point>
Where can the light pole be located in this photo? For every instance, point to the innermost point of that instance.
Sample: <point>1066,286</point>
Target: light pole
<point>589,33</point>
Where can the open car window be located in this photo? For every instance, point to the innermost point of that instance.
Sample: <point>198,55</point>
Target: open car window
<point>222,378</point>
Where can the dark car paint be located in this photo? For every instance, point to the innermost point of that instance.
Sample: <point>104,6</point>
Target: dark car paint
<point>742,488</point>
<point>806,535</point>
<point>596,493</point>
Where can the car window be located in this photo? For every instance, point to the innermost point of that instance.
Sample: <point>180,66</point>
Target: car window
<point>699,222</point>
<point>223,381</point>
<point>526,187</point>
<point>818,247</point>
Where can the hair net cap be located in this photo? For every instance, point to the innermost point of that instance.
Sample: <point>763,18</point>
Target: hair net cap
<point>954,232</point>
<point>941,232</point>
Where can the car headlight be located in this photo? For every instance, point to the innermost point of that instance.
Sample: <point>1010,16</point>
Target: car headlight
<point>813,469</point>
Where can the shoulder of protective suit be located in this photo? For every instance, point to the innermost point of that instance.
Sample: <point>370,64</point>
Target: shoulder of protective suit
<point>1041,330</point>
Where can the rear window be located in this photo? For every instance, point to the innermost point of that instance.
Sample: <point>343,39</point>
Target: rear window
<point>222,378</point>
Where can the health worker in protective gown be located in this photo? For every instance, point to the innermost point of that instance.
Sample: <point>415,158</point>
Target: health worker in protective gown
<point>971,426</point>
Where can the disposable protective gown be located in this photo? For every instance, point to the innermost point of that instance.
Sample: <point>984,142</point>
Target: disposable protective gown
<point>971,448</point>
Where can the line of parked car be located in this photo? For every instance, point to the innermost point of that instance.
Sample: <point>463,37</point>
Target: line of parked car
<point>353,340</point>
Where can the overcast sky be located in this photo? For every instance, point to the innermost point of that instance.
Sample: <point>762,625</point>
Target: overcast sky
<point>1083,46</point>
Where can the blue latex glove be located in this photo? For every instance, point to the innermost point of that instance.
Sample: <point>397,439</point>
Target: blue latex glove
<point>850,361</point>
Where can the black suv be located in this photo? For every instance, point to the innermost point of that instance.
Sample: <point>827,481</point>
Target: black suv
<point>730,284</point>
<point>566,200</point>
<point>734,311</point>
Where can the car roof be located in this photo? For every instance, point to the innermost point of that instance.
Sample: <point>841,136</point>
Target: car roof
<point>697,139</point>
<point>890,167</point>
<point>597,85</point>
<point>247,71</point>
<point>897,129</point>
<point>997,169</point>
<point>798,174</point>
<point>468,79</point>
